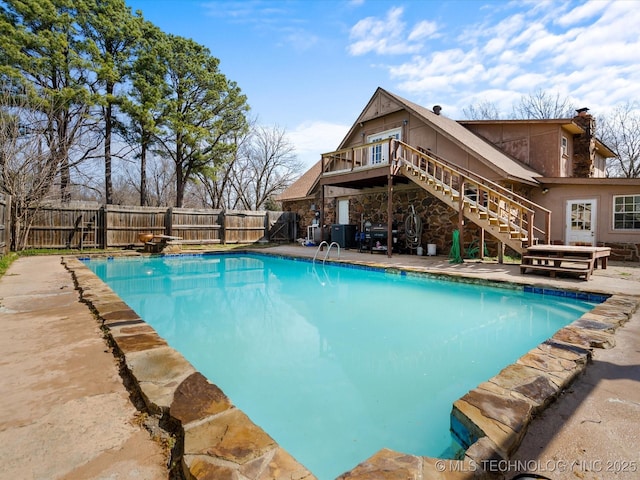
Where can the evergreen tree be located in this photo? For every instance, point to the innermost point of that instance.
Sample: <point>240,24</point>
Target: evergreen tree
<point>110,33</point>
<point>41,53</point>
<point>144,102</point>
<point>202,114</point>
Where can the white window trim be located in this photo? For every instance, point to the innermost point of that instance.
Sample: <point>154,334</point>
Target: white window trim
<point>380,149</point>
<point>564,146</point>
<point>613,214</point>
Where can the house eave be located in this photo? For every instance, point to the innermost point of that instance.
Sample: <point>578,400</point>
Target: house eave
<point>589,181</point>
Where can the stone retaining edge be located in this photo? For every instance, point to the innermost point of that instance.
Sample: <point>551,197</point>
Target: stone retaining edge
<point>220,441</point>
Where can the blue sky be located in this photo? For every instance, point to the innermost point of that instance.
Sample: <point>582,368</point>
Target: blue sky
<point>311,66</point>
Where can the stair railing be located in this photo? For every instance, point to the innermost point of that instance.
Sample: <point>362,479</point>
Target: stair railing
<point>480,193</point>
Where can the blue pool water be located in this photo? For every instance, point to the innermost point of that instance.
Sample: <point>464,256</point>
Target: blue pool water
<point>336,363</point>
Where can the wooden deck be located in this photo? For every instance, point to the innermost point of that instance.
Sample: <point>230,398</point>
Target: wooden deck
<point>577,260</point>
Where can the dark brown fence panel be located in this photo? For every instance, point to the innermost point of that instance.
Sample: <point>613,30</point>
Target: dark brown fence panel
<point>196,226</point>
<point>74,225</point>
<point>5,215</point>
<point>244,226</point>
<point>281,226</point>
<point>124,223</point>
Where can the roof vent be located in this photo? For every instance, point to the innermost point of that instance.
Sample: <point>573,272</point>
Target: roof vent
<point>437,109</point>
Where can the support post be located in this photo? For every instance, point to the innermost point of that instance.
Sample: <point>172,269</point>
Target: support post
<point>389,213</point>
<point>321,219</point>
<point>481,243</point>
<point>461,217</point>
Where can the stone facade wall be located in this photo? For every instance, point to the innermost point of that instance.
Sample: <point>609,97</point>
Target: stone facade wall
<point>438,220</point>
<point>584,147</point>
<point>627,252</point>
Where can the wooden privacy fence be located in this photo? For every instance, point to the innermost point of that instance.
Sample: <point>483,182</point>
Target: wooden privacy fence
<point>5,207</point>
<point>89,225</point>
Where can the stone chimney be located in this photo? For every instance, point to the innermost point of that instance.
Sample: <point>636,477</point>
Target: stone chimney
<point>584,145</point>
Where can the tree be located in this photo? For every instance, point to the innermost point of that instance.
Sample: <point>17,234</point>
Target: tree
<point>484,110</point>
<point>536,105</point>
<point>267,165</point>
<point>41,53</point>
<point>203,113</point>
<point>110,32</point>
<point>264,165</point>
<point>542,105</point>
<point>26,167</point>
<point>216,182</point>
<point>145,100</point>
<point>620,131</point>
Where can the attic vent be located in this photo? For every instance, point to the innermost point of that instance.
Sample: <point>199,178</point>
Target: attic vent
<point>437,109</point>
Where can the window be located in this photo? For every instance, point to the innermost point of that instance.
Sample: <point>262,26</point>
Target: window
<point>565,147</point>
<point>626,212</point>
<point>380,153</point>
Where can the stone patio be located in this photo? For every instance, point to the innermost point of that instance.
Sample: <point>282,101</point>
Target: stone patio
<point>219,441</point>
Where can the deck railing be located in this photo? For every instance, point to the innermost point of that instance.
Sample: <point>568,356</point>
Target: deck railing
<point>368,155</point>
<point>481,194</point>
<point>478,192</point>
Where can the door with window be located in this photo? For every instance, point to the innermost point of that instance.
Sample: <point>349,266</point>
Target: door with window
<point>379,154</point>
<point>581,222</point>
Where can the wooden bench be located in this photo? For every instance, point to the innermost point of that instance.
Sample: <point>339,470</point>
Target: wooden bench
<point>555,259</point>
<point>162,243</point>
<point>554,265</point>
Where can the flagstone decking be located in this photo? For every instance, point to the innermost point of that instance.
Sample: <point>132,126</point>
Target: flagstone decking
<point>217,440</point>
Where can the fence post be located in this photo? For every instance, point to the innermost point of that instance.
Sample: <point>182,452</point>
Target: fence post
<point>265,223</point>
<point>168,221</point>
<point>6,234</point>
<point>105,225</point>
<point>223,225</point>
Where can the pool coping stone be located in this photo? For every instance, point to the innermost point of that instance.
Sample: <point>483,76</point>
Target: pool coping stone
<point>218,440</point>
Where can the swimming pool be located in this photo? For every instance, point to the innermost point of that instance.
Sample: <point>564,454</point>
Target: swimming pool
<point>336,363</point>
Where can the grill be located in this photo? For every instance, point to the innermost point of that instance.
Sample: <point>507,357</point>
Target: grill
<point>377,235</point>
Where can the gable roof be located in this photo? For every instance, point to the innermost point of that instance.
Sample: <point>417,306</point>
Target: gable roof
<point>301,188</point>
<point>485,152</point>
<point>495,159</point>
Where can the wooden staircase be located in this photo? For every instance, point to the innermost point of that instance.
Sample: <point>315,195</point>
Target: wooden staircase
<point>499,211</point>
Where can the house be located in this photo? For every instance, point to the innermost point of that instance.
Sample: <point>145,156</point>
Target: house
<point>502,184</point>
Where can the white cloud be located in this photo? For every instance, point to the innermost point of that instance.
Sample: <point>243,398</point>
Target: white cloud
<point>583,12</point>
<point>388,36</point>
<point>589,53</point>
<point>424,29</point>
<point>312,139</point>
<point>528,82</point>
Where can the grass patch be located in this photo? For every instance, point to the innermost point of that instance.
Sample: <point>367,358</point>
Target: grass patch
<point>6,261</point>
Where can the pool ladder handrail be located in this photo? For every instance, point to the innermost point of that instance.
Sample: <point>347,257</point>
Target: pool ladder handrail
<point>329,245</point>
